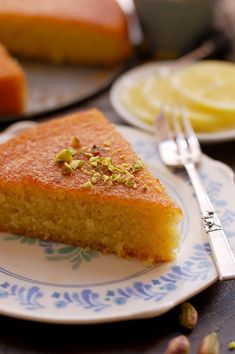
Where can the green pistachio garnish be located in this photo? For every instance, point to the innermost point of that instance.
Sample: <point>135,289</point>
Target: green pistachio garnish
<point>126,165</point>
<point>94,160</point>
<point>97,175</point>
<point>188,316</point>
<point>106,161</point>
<point>72,151</point>
<point>64,156</point>
<point>209,344</point>
<point>117,178</point>
<point>105,178</point>
<point>138,165</point>
<point>75,142</point>
<point>231,345</point>
<point>87,185</point>
<point>76,164</point>
<point>94,180</point>
<point>145,188</point>
<point>130,183</point>
<point>67,169</point>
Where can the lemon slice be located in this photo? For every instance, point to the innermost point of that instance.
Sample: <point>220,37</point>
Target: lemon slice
<point>208,86</point>
<point>135,101</point>
<point>209,99</point>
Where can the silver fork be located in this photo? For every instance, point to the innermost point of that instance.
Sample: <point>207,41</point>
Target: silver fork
<point>179,147</point>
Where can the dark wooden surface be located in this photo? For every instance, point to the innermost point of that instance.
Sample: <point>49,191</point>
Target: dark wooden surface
<point>216,308</point>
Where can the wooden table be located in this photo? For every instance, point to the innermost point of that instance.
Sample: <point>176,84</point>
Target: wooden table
<point>216,308</point>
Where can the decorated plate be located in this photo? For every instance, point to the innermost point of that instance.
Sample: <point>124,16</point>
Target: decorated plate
<point>142,72</point>
<point>51,282</point>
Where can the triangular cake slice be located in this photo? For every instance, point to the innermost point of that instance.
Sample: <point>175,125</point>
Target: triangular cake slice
<point>76,180</point>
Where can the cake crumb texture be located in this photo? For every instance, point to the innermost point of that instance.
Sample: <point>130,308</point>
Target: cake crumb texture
<point>37,199</point>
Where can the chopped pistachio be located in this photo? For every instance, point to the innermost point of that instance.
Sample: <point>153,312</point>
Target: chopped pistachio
<point>178,345</point>
<point>105,178</point>
<point>188,316</point>
<point>75,142</point>
<point>87,185</point>
<point>231,345</point>
<point>145,187</point>
<point>138,165</point>
<point>111,168</point>
<point>93,160</point>
<point>130,183</point>
<point>209,344</point>
<point>117,178</point>
<point>64,156</point>
<point>72,151</point>
<point>106,161</point>
<point>97,175</point>
<point>94,180</point>
<point>67,168</point>
<point>76,164</point>
<point>125,165</point>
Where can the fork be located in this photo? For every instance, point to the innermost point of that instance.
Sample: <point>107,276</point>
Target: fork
<point>179,147</point>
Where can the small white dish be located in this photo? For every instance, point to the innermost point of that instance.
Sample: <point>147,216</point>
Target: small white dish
<point>141,72</point>
<point>50,282</point>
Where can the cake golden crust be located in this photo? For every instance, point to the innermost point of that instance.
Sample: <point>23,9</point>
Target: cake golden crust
<point>74,31</point>
<point>38,199</point>
<point>12,85</point>
<point>31,157</point>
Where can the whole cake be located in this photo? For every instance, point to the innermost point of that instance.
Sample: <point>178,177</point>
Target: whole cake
<point>76,180</point>
<point>72,31</point>
<point>12,85</point>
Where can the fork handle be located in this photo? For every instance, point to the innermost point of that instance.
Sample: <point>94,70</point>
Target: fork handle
<point>221,249</point>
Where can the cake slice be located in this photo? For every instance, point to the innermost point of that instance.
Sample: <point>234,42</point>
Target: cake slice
<point>12,85</point>
<point>71,31</point>
<point>76,180</point>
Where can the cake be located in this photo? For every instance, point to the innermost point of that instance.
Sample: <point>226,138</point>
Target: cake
<point>12,85</point>
<point>71,31</point>
<point>76,180</point>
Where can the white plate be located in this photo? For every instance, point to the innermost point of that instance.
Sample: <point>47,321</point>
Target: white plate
<point>51,282</point>
<point>141,72</point>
